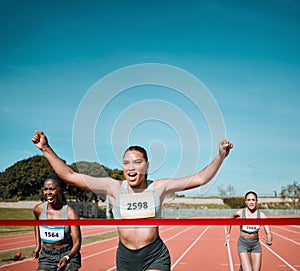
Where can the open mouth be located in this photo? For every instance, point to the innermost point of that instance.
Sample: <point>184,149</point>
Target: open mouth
<point>50,199</point>
<point>132,175</point>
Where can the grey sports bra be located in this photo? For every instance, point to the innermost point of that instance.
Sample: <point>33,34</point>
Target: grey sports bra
<point>151,191</point>
<point>251,229</point>
<point>54,234</point>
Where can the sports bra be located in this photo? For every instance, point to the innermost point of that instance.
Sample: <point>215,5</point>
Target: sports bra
<point>137,205</point>
<point>250,228</point>
<point>54,234</point>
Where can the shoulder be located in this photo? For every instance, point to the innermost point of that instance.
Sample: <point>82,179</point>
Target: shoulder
<point>237,213</point>
<point>37,210</point>
<point>160,184</point>
<point>262,214</point>
<point>115,186</point>
<point>72,214</point>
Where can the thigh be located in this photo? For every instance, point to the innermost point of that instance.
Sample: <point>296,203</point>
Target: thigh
<point>256,261</point>
<point>245,261</point>
<point>158,257</point>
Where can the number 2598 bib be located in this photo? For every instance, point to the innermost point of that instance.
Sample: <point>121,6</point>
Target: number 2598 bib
<point>52,234</point>
<point>137,205</point>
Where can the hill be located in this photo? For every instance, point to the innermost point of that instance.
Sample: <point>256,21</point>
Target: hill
<point>24,179</point>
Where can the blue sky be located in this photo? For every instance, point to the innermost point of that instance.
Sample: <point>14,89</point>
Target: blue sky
<point>246,54</point>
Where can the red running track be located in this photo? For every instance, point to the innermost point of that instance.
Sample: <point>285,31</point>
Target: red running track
<point>19,241</point>
<point>193,248</point>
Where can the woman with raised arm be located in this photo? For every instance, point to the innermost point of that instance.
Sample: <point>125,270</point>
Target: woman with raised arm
<point>140,248</point>
<point>249,247</point>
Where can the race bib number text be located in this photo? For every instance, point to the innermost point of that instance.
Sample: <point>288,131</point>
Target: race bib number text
<point>139,205</point>
<point>52,234</point>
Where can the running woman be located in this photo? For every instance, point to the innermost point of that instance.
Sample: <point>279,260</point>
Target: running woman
<point>140,248</point>
<point>249,247</point>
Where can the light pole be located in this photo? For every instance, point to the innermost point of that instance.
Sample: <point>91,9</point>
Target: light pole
<point>254,170</point>
<point>281,177</point>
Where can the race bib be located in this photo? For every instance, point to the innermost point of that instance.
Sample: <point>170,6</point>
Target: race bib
<point>52,234</point>
<point>250,228</point>
<point>137,205</point>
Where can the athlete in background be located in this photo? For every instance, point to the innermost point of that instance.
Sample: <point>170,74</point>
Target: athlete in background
<point>249,247</point>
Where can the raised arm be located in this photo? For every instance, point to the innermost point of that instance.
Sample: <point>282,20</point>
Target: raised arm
<point>201,178</point>
<point>98,185</point>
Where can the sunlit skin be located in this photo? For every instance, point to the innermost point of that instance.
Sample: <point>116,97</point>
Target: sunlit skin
<point>134,168</point>
<point>251,203</point>
<point>53,194</point>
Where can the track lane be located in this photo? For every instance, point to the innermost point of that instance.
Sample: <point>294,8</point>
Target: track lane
<point>194,248</point>
<point>285,247</point>
<point>19,241</point>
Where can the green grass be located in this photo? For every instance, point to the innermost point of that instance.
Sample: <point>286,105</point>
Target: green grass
<point>15,213</point>
<point>7,257</point>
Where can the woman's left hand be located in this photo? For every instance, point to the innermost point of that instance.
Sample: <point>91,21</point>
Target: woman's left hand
<point>225,147</point>
<point>62,263</point>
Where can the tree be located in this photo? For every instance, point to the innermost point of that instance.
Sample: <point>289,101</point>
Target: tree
<point>90,168</point>
<point>115,173</point>
<point>24,180</point>
<point>226,191</point>
<point>292,191</point>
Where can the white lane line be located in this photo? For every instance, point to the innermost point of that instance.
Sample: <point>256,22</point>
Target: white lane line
<point>173,236</point>
<point>15,263</point>
<point>285,229</point>
<point>189,248</point>
<point>285,238</point>
<point>100,252</point>
<point>18,248</point>
<point>279,257</point>
<point>229,253</point>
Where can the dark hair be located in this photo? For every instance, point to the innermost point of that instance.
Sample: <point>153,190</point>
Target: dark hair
<point>56,178</point>
<point>139,149</point>
<point>251,192</point>
<point>60,183</point>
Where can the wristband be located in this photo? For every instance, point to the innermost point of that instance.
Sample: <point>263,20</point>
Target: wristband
<point>67,257</point>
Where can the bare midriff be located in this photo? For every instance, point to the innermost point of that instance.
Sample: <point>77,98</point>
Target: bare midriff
<point>249,235</point>
<point>137,237</point>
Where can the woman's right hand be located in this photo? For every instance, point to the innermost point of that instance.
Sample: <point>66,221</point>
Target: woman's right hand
<point>227,238</point>
<point>40,140</point>
<point>35,254</point>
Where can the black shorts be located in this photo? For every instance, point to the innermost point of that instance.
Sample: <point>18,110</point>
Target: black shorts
<point>49,258</point>
<point>152,256</point>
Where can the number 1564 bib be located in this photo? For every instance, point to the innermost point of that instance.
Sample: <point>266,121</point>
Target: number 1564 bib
<point>52,234</point>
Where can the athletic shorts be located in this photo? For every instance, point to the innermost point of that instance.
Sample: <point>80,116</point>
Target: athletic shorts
<point>152,256</point>
<point>49,259</point>
<point>249,245</point>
